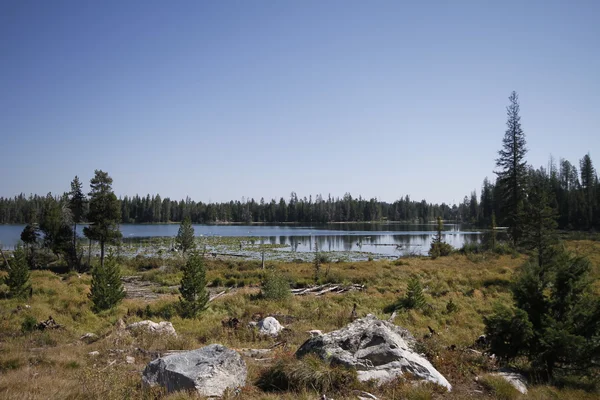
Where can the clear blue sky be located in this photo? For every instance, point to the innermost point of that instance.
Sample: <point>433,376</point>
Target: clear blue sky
<point>223,99</point>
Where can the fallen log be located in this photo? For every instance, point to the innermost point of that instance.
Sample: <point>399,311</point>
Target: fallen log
<point>216,296</point>
<point>320,290</point>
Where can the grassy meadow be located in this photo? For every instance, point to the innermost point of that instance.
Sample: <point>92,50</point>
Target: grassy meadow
<point>459,289</point>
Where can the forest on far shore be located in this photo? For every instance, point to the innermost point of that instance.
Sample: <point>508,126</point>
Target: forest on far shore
<point>575,195</point>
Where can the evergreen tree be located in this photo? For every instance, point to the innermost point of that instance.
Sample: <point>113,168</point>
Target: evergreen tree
<point>107,290</point>
<point>508,332</point>
<point>555,323</point>
<point>185,235</point>
<point>588,184</point>
<point>104,214</point>
<point>439,248</point>
<point>539,227</point>
<point>77,202</point>
<point>30,236</point>
<point>194,296</point>
<point>513,171</point>
<point>563,310</point>
<point>18,275</point>
<point>414,294</point>
<point>56,226</point>
<point>275,286</point>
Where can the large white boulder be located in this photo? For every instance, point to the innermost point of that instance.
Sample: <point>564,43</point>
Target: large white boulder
<point>210,371</point>
<point>269,327</point>
<point>378,350</point>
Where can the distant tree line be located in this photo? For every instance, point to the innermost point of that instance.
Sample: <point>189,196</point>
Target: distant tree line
<point>575,195</point>
<point>155,209</point>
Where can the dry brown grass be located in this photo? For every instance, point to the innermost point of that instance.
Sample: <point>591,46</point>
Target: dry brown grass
<point>56,364</point>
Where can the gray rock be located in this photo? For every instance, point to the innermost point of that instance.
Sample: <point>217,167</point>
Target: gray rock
<point>518,381</point>
<point>269,327</point>
<point>89,337</point>
<point>210,371</point>
<point>162,327</point>
<point>94,353</point>
<point>378,350</point>
<point>130,360</point>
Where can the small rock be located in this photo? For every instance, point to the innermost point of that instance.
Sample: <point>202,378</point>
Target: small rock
<point>120,324</point>
<point>162,327</point>
<point>94,353</point>
<point>314,333</point>
<point>89,337</point>
<point>481,341</point>
<point>130,360</point>
<point>269,327</point>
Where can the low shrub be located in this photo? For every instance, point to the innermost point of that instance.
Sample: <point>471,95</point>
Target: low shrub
<point>451,307</point>
<point>29,324</point>
<point>440,249</point>
<point>10,364</point>
<point>504,249</point>
<point>499,387</point>
<point>473,248</point>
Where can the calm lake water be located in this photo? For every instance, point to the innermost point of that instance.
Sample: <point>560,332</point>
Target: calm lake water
<point>383,239</point>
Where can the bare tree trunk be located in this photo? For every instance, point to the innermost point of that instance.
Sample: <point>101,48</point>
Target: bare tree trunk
<point>102,254</point>
<point>90,254</point>
<point>263,259</point>
<point>74,236</point>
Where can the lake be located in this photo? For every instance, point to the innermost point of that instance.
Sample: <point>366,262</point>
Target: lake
<point>377,239</point>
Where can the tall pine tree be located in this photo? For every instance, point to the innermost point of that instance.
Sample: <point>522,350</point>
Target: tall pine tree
<point>513,171</point>
<point>588,184</point>
<point>104,214</point>
<point>77,203</point>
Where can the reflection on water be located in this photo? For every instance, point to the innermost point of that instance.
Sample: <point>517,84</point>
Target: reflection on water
<point>386,239</point>
<point>377,243</point>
